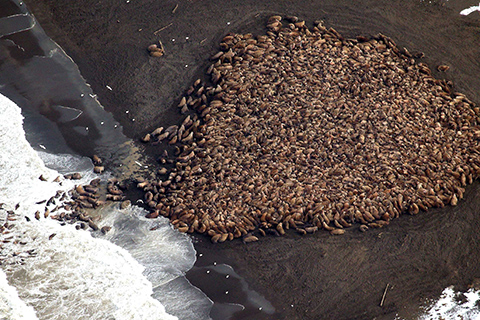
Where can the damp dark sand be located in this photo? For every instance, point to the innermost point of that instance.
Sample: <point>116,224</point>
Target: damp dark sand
<point>312,277</point>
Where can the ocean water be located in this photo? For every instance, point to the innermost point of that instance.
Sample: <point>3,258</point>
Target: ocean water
<point>11,306</point>
<point>50,271</point>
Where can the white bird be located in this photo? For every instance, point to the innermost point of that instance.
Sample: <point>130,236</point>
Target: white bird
<point>466,12</point>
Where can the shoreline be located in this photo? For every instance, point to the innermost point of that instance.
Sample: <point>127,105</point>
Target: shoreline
<point>258,263</point>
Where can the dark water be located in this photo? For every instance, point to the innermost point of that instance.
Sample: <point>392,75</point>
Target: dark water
<point>58,105</point>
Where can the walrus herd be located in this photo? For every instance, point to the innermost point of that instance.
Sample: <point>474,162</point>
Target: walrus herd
<point>303,129</point>
<point>75,206</point>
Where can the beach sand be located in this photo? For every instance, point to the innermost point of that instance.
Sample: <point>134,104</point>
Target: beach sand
<point>312,277</point>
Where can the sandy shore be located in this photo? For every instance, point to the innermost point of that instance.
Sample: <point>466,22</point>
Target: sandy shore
<point>312,277</point>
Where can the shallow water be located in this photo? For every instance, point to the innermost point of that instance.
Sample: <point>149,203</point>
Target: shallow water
<point>166,254</point>
<point>61,272</point>
<point>57,103</point>
<point>64,273</point>
<point>11,306</point>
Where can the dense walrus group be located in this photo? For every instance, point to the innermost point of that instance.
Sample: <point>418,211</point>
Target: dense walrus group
<point>303,129</point>
<point>75,205</point>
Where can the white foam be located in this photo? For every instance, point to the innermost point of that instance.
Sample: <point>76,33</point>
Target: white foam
<point>166,254</point>
<point>20,167</point>
<point>73,275</point>
<point>64,163</point>
<point>11,307</point>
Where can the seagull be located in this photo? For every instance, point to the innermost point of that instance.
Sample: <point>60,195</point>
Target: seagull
<point>466,12</point>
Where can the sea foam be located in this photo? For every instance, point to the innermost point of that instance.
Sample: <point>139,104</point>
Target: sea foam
<point>67,273</point>
<point>11,306</point>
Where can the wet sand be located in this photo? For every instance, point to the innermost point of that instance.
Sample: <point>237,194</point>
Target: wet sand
<point>312,277</point>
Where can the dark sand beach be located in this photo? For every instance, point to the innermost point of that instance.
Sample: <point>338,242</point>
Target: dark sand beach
<point>311,277</point>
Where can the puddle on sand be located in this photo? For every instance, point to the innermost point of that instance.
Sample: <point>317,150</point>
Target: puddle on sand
<point>231,294</point>
<point>59,107</point>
